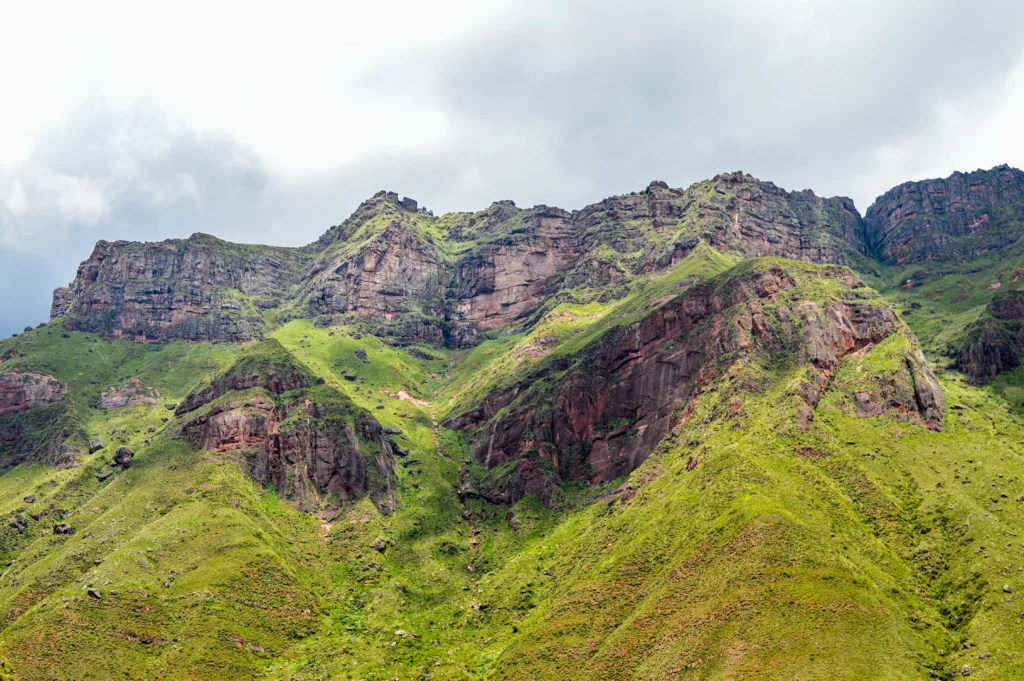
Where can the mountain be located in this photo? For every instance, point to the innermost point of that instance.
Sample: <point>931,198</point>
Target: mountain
<point>720,432</point>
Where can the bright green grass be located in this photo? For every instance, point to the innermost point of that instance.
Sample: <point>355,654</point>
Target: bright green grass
<point>850,551</point>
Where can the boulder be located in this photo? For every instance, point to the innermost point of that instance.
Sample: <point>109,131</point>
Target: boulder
<point>123,458</point>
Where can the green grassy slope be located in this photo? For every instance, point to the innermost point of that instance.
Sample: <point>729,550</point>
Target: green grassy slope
<point>852,550</point>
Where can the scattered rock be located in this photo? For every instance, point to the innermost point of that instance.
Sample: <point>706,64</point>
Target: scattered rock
<point>380,544</point>
<point>94,593</point>
<point>62,528</point>
<point>804,416</point>
<point>691,463</point>
<point>123,458</point>
<point>361,354</point>
<point>30,498</point>
<point>95,446</point>
<point>1008,589</point>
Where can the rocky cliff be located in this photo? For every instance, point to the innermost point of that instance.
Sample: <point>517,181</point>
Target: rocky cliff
<point>957,218</point>
<point>413,277</point>
<point>37,423</point>
<point>292,432</point>
<point>733,212</point>
<point>599,414</point>
<point>994,344</point>
<point>200,288</point>
<point>22,391</point>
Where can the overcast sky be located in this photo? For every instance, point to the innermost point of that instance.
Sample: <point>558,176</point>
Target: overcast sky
<point>128,122</point>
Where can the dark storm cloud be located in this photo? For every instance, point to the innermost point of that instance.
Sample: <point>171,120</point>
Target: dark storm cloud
<point>557,103</point>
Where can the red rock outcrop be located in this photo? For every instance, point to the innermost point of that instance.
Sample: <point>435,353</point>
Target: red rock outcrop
<point>196,289</point>
<point>994,344</point>
<point>37,422</point>
<point>508,277</point>
<point>599,415</point>
<point>291,431</point>
<point>413,277</point>
<point>732,212</point>
<point>306,449</point>
<point>22,391</point>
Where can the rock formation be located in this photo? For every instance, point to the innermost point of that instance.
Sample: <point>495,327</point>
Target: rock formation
<point>22,391</point>
<point>413,277</point>
<point>994,344</point>
<point>200,288</point>
<point>37,422</point>
<point>309,441</point>
<point>131,394</point>
<point>962,216</point>
<point>600,414</point>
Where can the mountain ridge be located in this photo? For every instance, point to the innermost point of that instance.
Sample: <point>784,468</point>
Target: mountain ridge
<point>660,437</point>
<point>474,266</point>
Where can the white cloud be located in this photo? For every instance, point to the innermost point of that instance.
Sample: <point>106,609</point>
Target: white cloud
<point>135,120</point>
<point>15,201</point>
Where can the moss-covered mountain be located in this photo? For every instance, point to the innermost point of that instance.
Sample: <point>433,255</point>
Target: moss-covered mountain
<point>721,432</point>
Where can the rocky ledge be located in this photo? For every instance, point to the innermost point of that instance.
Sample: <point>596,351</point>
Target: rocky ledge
<point>962,216</point>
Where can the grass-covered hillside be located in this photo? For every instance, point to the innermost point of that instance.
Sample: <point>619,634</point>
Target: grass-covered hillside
<point>758,541</point>
<point>723,432</point>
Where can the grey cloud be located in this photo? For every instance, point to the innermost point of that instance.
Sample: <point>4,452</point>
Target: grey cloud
<point>625,92</point>
<point>557,103</point>
<point>116,175</point>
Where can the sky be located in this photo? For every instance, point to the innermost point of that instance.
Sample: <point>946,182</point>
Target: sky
<point>147,121</point>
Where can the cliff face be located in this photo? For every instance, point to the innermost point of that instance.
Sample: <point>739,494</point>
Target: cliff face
<point>306,439</point>
<point>994,344</point>
<point>732,212</point>
<point>195,289</point>
<point>960,217</point>
<point>418,278</point>
<point>37,422</point>
<point>309,447</point>
<point>506,278</point>
<point>600,414</point>
<point>413,277</point>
